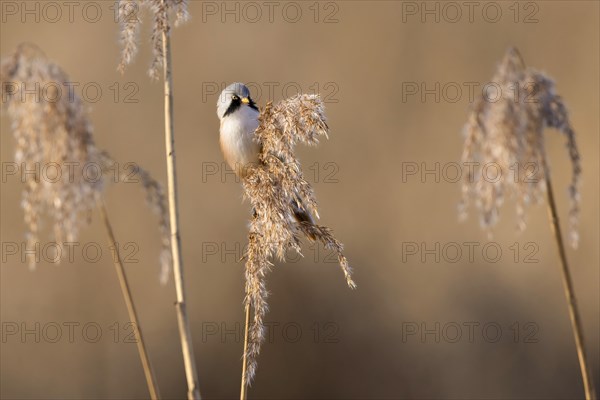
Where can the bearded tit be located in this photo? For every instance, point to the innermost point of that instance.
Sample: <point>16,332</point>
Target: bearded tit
<point>239,119</point>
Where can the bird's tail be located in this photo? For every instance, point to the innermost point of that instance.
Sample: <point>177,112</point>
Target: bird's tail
<point>304,217</point>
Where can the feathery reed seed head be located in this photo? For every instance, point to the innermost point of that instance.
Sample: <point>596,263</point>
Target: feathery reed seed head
<point>53,129</point>
<point>507,133</point>
<point>50,129</point>
<point>129,12</point>
<point>272,187</point>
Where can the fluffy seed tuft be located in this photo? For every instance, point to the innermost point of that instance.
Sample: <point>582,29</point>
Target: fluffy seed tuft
<point>504,132</point>
<point>53,132</point>
<point>272,187</point>
<point>129,12</point>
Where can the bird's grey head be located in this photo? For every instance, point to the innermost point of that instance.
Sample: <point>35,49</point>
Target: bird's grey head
<point>232,98</point>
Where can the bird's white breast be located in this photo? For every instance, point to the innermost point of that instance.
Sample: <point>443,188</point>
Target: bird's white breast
<point>237,133</point>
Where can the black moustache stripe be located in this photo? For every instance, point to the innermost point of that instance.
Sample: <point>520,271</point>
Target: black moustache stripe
<point>235,104</point>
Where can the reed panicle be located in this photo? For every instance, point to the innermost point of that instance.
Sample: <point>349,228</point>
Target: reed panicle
<point>508,133</point>
<point>129,12</point>
<point>49,130</point>
<point>504,138</point>
<point>53,132</point>
<point>156,200</point>
<point>272,186</point>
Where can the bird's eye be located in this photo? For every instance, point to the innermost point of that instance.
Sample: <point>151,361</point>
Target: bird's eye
<point>234,97</point>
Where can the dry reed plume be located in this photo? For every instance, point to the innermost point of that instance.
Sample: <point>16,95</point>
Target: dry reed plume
<point>504,133</point>
<point>272,187</point>
<point>52,129</point>
<point>508,133</point>
<point>49,130</point>
<point>130,16</point>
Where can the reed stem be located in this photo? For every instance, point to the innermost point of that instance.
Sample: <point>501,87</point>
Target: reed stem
<point>133,318</point>
<point>244,389</point>
<point>569,290</point>
<point>185,334</point>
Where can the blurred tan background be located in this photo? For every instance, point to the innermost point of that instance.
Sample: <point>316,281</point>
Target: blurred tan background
<point>326,341</point>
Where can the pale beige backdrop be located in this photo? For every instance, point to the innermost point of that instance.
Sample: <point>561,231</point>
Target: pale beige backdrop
<point>351,344</point>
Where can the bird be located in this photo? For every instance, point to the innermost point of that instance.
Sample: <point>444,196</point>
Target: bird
<point>238,115</point>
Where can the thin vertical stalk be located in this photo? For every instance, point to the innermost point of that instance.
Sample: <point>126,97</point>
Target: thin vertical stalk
<point>569,290</point>
<point>182,318</point>
<point>244,389</point>
<point>133,318</point>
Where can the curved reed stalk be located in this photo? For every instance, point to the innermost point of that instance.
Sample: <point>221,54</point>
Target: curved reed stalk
<point>509,132</point>
<point>576,325</point>
<point>244,383</point>
<point>161,49</point>
<point>133,318</point>
<point>55,130</point>
<point>182,318</point>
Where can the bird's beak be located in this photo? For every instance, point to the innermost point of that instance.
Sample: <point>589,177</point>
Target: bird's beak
<point>245,100</point>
